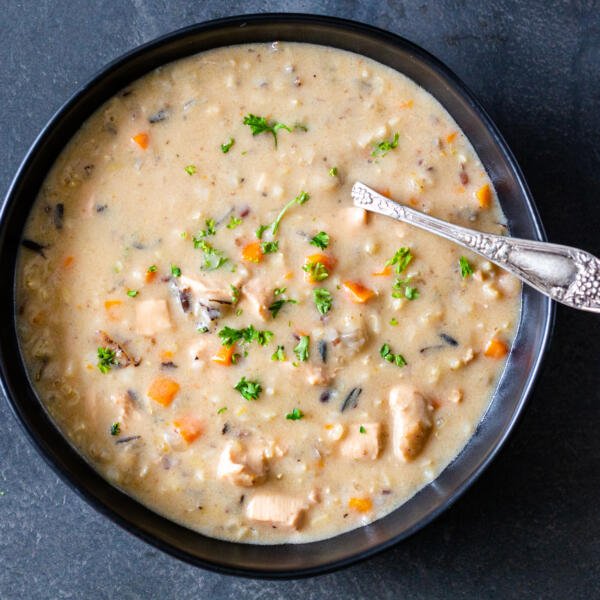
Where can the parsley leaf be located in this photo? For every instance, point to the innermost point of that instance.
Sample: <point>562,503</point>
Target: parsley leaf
<point>279,354</point>
<point>235,294</point>
<point>333,171</point>
<point>301,350</point>
<point>152,269</point>
<point>250,390</point>
<point>234,222</point>
<point>226,147</point>
<point>221,410</point>
<point>247,335</point>
<point>260,230</point>
<point>301,198</point>
<point>362,429</point>
<point>316,270</point>
<point>213,258</point>
<point>393,321</point>
<point>190,169</point>
<point>465,268</point>
<point>382,148</point>
<point>132,293</point>
<point>106,359</point>
<point>295,415</point>
<point>269,247</point>
<point>411,293</point>
<point>260,125</point>
<point>323,300</point>
<point>321,240</point>
<point>401,259</point>
<point>403,290</point>
<point>175,271</point>
<point>387,355</point>
<point>211,229</point>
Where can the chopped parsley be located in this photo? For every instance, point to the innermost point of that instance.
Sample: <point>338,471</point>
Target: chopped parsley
<point>362,429</point>
<point>401,289</point>
<point>387,355</point>
<point>250,390</point>
<point>301,198</point>
<point>295,415</point>
<point>465,268</point>
<point>221,410</point>
<point>115,428</point>
<point>106,359</point>
<point>382,148</point>
<point>323,300</point>
<point>260,230</point>
<point>321,240</point>
<point>260,125</point>
<point>190,169</point>
<point>411,293</point>
<point>400,260</point>
<point>279,354</point>
<point>269,247</point>
<point>175,271</point>
<point>226,147</point>
<point>247,335</point>
<point>211,229</point>
<point>393,321</point>
<point>132,293</point>
<point>279,291</point>
<point>301,350</point>
<point>235,294</point>
<point>316,270</point>
<point>234,222</point>
<point>213,258</point>
<point>333,171</point>
<point>152,269</point>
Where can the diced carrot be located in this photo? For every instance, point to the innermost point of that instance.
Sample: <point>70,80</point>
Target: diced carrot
<point>163,390</point>
<point>108,304</point>
<point>188,427</point>
<point>360,504</point>
<point>496,348</point>
<point>112,309</point>
<point>484,195</point>
<point>149,276</point>
<point>68,261</point>
<point>320,463</point>
<point>252,252</point>
<point>328,426</point>
<point>166,355</point>
<point>407,104</point>
<point>385,272</point>
<point>358,292</point>
<point>413,201</point>
<point>451,137</point>
<point>141,139</point>
<point>224,355</point>
<point>289,275</point>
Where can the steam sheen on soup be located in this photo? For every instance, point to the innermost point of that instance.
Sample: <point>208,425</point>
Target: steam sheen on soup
<point>222,335</point>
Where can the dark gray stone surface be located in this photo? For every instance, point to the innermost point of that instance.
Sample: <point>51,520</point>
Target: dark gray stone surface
<point>530,527</point>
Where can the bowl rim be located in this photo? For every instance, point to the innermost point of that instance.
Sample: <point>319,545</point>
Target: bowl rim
<point>241,20</point>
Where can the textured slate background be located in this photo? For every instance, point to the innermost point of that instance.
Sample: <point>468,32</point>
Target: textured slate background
<point>530,527</point>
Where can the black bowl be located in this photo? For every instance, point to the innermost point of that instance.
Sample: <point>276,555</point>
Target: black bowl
<point>508,400</point>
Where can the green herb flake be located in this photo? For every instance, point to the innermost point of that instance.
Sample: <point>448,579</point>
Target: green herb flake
<point>316,270</point>
<point>465,267</point>
<point>115,429</point>
<point>211,229</point>
<point>411,293</point>
<point>300,199</point>
<point>247,335</point>
<point>400,260</point>
<point>382,148</point>
<point>387,355</point>
<point>221,410</point>
<point>190,169</point>
<point>301,350</point>
<point>175,271</point>
<point>152,269</point>
<point>295,415</point>
<point>106,359</point>
<point>362,429</point>
<point>393,321</point>
<point>269,247</point>
<point>260,125</point>
<point>226,147</point>
<point>132,293</point>
<point>260,230</point>
<point>279,354</point>
<point>321,240</point>
<point>333,172</point>
<point>323,300</point>
<point>234,222</point>
<point>213,258</point>
<point>250,390</point>
<point>235,294</point>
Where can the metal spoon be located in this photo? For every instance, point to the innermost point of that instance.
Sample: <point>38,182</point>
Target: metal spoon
<point>565,274</point>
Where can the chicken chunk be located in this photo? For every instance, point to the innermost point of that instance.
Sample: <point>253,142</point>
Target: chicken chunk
<point>242,466</point>
<point>259,297</point>
<point>362,441</point>
<point>411,421</point>
<point>278,510</point>
<point>152,316</point>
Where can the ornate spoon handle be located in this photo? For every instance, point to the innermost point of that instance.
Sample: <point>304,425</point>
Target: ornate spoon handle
<point>566,274</point>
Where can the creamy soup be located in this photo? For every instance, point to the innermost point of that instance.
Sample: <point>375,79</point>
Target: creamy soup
<point>222,335</point>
